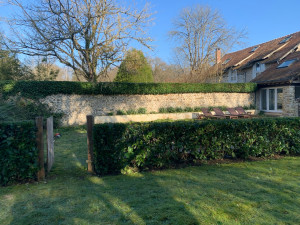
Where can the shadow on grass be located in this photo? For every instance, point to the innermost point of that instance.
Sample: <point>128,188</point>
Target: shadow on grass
<point>243,193</point>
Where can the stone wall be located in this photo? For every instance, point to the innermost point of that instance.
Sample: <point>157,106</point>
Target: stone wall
<point>76,107</point>
<point>289,103</point>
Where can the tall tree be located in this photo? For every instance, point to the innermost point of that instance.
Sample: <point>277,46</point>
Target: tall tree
<point>199,31</point>
<point>86,35</point>
<point>134,68</point>
<point>166,73</point>
<point>11,67</point>
<point>45,69</point>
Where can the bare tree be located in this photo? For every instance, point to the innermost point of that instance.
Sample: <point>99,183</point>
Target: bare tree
<point>88,36</point>
<point>166,73</point>
<point>199,31</point>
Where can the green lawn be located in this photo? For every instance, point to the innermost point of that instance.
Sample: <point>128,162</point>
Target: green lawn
<point>261,192</point>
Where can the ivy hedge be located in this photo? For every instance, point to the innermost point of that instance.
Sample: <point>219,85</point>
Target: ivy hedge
<point>18,152</point>
<point>119,147</point>
<point>40,89</point>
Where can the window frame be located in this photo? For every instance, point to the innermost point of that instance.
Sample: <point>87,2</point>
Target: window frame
<point>268,99</point>
<point>286,63</point>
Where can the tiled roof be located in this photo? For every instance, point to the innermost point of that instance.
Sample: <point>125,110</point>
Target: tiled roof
<point>280,75</point>
<point>269,53</point>
<point>245,57</point>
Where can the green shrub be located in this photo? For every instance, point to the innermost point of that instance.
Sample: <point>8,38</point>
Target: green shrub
<point>164,144</point>
<point>134,68</point>
<point>188,109</point>
<point>171,110</point>
<point>162,110</point>
<point>18,152</point>
<point>179,110</point>
<point>142,111</point>
<point>121,112</point>
<point>197,109</point>
<point>110,114</point>
<point>41,89</point>
<point>26,109</point>
<point>131,112</point>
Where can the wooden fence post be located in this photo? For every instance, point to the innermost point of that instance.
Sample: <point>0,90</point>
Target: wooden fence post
<point>90,124</point>
<point>50,144</point>
<point>40,146</point>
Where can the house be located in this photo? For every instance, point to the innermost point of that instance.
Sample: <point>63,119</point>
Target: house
<point>274,66</point>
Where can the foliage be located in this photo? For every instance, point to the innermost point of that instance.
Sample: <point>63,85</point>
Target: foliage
<point>20,109</point>
<point>41,89</point>
<point>11,68</point>
<point>256,192</point>
<point>121,112</point>
<point>18,152</point>
<point>164,144</point>
<point>87,36</point>
<point>134,68</point>
<point>45,70</point>
<point>196,109</point>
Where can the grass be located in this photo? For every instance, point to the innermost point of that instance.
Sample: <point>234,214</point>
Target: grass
<point>261,192</point>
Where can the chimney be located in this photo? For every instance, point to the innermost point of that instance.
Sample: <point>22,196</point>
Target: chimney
<point>218,55</point>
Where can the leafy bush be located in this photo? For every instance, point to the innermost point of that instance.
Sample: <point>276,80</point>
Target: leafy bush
<point>26,109</point>
<point>164,144</point>
<point>142,111</point>
<point>121,112</point>
<point>134,68</point>
<point>188,109</point>
<point>18,152</point>
<point>41,89</point>
<point>131,112</point>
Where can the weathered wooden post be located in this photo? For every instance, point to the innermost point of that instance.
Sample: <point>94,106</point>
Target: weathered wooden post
<point>40,146</point>
<point>90,124</point>
<point>50,144</point>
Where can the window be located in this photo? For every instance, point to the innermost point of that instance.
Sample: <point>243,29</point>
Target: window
<point>254,49</point>
<point>279,98</point>
<point>297,92</point>
<point>226,61</point>
<point>233,76</point>
<point>271,99</point>
<point>264,99</point>
<point>258,68</point>
<point>286,63</point>
<point>285,40</point>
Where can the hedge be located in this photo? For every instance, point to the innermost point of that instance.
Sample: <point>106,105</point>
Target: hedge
<point>18,152</point>
<point>155,145</point>
<point>40,89</point>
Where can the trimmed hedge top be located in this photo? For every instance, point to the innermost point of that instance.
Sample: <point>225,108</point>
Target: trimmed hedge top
<point>41,89</point>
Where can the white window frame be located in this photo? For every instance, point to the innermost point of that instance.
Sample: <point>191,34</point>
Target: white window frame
<point>267,100</point>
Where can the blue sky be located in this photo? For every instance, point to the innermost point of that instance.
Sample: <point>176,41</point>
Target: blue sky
<point>263,20</point>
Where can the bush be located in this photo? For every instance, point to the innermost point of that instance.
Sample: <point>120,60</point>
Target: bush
<point>134,68</point>
<point>18,152</point>
<point>121,112</point>
<point>41,89</point>
<point>165,144</point>
<point>142,111</point>
<point>26,109</point>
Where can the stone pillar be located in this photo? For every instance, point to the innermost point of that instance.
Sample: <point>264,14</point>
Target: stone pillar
<point>290,106</point>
